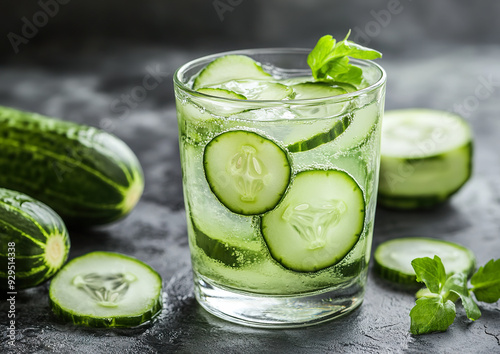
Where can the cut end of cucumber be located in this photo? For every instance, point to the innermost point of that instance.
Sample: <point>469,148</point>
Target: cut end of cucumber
<point>105,289</point>
<point>133,194</point>
<point>393,258</point>
<point>56,250</point>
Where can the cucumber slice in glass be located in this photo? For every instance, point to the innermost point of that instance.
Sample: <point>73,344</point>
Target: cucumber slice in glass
<point>231,251</point>
<point>247,172</point>
<point>219,107</point>
<point>227,68</point>
<point>317,223</point>
<point>223,93</point>
<point>426,156</point>
<point>258,89</point>
<point>316,133</point>
<point>105,289</point>
<point>393,258</point>
<point>311,90</point>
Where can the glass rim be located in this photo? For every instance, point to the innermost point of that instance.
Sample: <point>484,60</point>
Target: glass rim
<point>208,58</point>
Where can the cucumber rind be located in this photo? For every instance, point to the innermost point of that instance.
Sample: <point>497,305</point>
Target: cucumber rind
<point>226,252</point>
<point>339,126</point>
<point>150,309</point>
<point>396,274</point>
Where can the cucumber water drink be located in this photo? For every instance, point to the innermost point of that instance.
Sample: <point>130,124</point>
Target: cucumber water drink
<point>280,174</point>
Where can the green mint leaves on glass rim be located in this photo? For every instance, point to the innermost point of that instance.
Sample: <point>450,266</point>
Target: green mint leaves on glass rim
<point>329,60</point>
<point>435,307</point>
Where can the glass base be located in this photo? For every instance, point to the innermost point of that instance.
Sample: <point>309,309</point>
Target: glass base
<point>268,311</point>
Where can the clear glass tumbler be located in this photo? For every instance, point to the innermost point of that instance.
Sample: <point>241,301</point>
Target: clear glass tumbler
<point>302,257</point>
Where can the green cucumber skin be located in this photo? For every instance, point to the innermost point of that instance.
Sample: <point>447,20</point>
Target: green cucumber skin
<point>422,202</point>
<point>321,138</point>
<point>214,249</point>
<point>86,175</point>
<point>116,322</point>
<point>26,222</point>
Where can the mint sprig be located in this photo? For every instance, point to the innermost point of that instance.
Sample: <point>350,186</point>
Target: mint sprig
<point>435,307</point>
<point>329,60</point>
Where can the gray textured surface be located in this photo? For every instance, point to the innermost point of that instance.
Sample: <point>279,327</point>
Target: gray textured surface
<point>83,87</point>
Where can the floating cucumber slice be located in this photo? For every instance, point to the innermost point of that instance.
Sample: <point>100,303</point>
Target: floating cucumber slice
<point>363,121</point>
<point>393,258</point>
<point>105,289</point>
<point>317,223</point>
<point>311,90</point>
<point>229,67</point>
<point>195,123</point>
<point>258,89</point>
<point>227,249</point>
<point>317,133</point>
<point>426,156</point>
<point>220,107</point>
<point>348,87</point>
<point>313,133</point>
<point>247,172</point>
<point>218,92</point>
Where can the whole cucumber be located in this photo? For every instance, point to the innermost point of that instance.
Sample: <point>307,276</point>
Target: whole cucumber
<point>34,241</point>
<point>88,176</point>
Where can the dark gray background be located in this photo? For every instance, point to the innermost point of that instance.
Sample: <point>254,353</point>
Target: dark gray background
<point>83,63</point>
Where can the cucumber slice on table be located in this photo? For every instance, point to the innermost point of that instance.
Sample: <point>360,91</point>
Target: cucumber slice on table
<point>229,67</point>
<point>426,156</point>
<point>105,289</point>
<point>318,221</point>
<point>247,172</point>
<point>393,258</point>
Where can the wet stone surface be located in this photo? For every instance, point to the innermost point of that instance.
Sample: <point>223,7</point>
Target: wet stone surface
<point>155,232</point>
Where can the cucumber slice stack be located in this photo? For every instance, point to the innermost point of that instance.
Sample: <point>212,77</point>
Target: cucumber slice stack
<point>426,156</point>
<point>393,258</point>
<point>309,220</point>
<point>104,289</point>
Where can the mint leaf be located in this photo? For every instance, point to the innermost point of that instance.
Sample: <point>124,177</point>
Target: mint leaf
<point>486,282</point>
<point>431,272</point>
<point>432,314</point>
<point>457,284</point>
<point>329,60</point>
